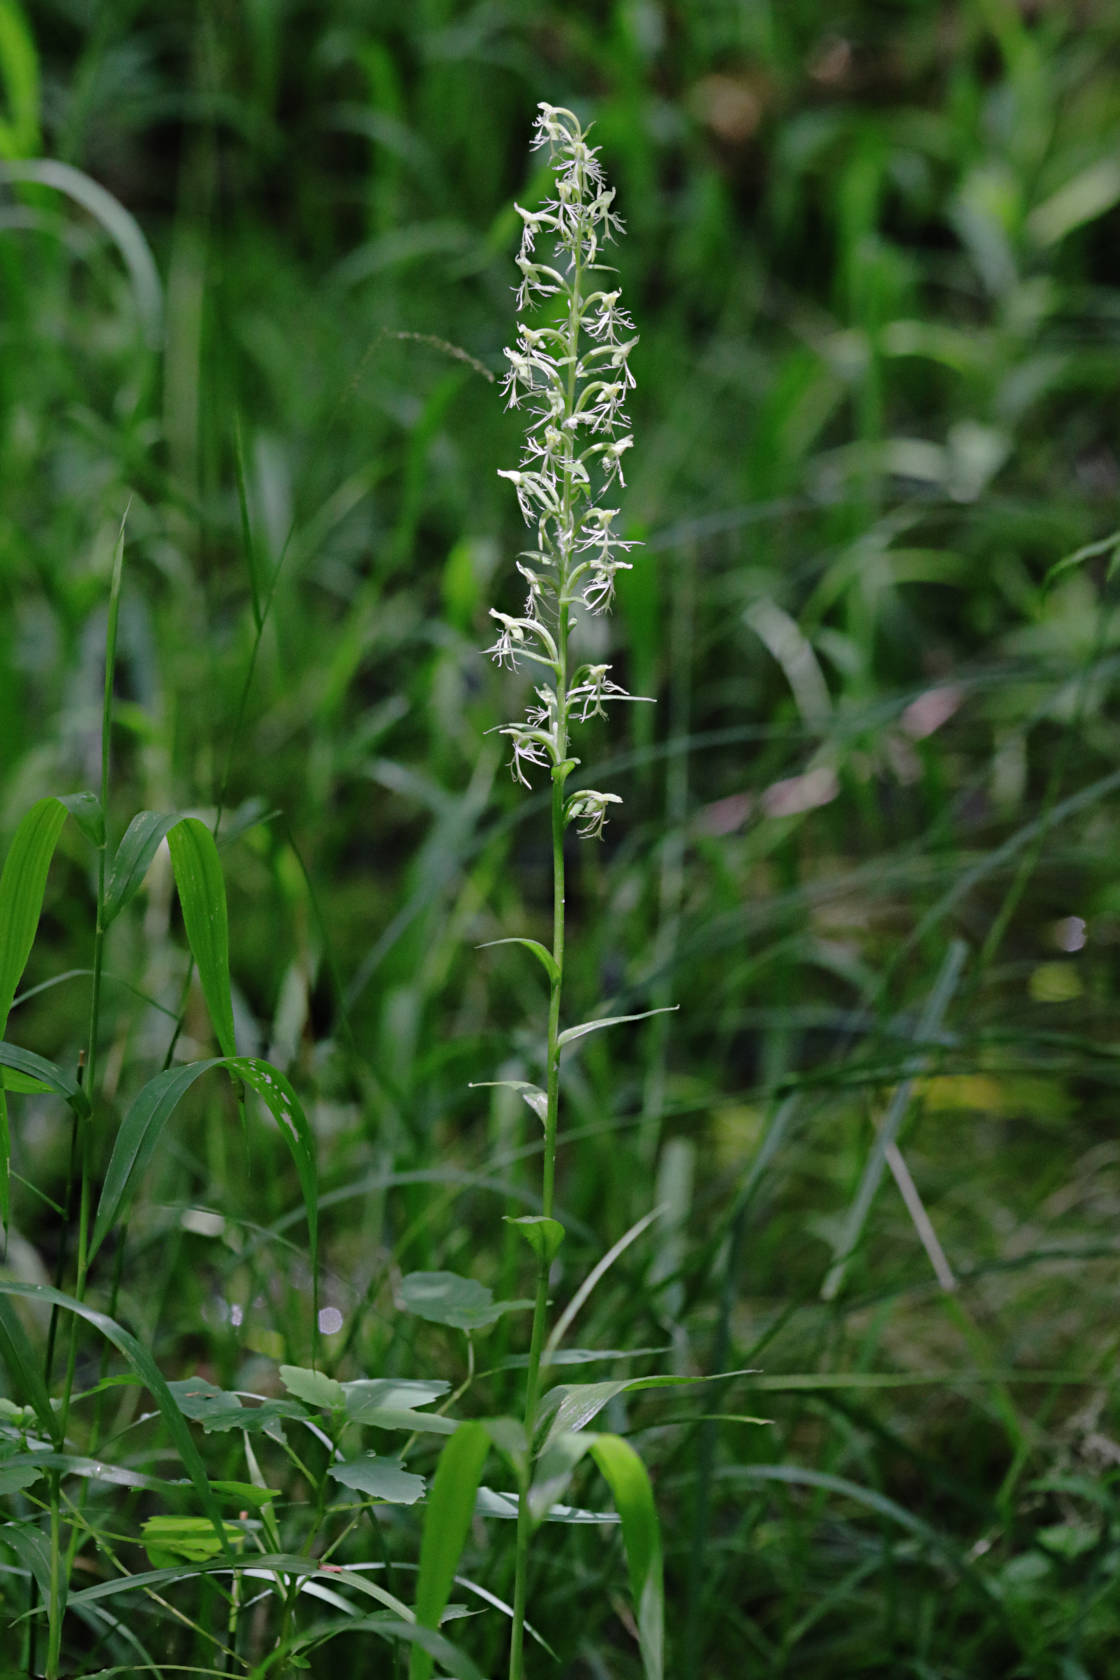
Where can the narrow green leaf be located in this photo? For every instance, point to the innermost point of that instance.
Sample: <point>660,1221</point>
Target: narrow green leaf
<point>641,1535</point>
<point>35,1073</point>
<point>554,1470</point>
<point>1109,545</point>
<point>248,546</point>
<point>32,1550</point>
<point>446,1524</point>
<point>22,1082</point>
<point>5,1162</point>
<point>452,1660</point>
<point>19,69</point>
<point>577,1404</point>
<point>137,1356</point>
<point>25,1370</point>
<point>379,1478</point>
<point>122,228</point>
<point>202,894</point>
<point>570,1034</point>
<point>254,1565</point>
<point>313,1388</point>
<point>543,1235</point>
<point>541,952</point>
<point>929,1024</point>
<point>133,857</point>
<point>142,1126</point>
<point>563,1323</point>
<point>532,1094</point>
<point>491,1503</point>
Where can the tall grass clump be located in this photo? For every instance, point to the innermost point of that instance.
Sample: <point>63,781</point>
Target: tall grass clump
<point>283,1484</point>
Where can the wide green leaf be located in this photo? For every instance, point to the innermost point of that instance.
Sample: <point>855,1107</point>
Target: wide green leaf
<point>313,1388</point>
<point>416,1423</point>
<point>446,1298</point>
<point>220,1409</point>
<point>368,1396</point>
<point>448,1520</point>
<point>21,1470</point>
<point>543,1235</point>
<point>379,1478</point>
<point>641,1535</point>
<point>142,1126</point>
<point>202,895</point>
<point>170,1539</point>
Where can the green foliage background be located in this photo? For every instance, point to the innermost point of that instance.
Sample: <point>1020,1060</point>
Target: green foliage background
<point>871,249</point>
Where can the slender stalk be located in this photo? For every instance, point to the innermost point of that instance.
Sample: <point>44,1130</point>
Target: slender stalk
<point>573,376</point>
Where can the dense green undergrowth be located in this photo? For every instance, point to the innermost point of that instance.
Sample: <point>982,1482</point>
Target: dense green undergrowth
<point>255,269</point>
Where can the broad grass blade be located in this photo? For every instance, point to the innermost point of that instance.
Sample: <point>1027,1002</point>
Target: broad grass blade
<point>450,1509</point>
<point>202,894</point>
<point>641,1534</point>
<point>22,885</point>
<point>142,1126</point>
<point>134,854</point>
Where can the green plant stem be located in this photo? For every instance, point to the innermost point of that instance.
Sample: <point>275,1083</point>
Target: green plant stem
<point>560,772</point>
<point>548,1179</point>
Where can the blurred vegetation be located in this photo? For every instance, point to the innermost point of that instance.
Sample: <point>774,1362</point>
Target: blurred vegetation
<point>868,835</point>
